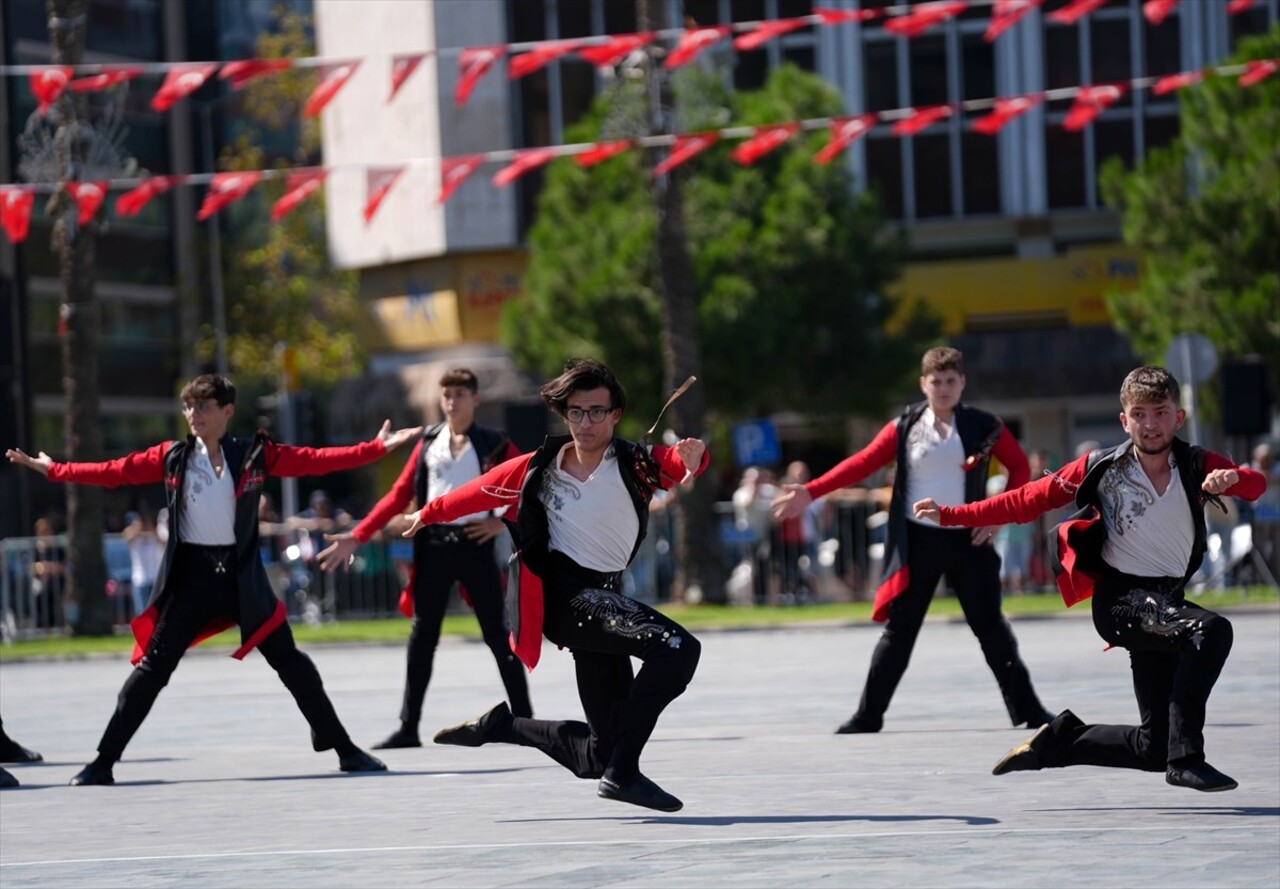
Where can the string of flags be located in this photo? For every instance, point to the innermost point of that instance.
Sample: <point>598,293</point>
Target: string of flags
<point>1088,102</point>
<point>48,82</point>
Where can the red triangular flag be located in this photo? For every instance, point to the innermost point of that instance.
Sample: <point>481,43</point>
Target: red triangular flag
<point>529,159</point>
<point>617,48</point>
<point>1258,71</point>
<point>1075,10</point>
<point>473,64</point>
<point>1157,11</point>
<point>131,202</point>
<point>1090,102</point>
<point>692,42</point>
<point>766,31</point>
<point>844,132</point>
<point>181,82</point>
<point>298,186</point>
<point>920,119</point>
<point>377,185</point>
<point>332,79</point>
<point>1235,7</point>
<point>48,83</point>
<point>88,197</point>
<point>539,57</point>
<point>401,67</point>
<point>245,70</point>
<point>1004,111</point>
<point>765,140</point>
<point>109,77</point>
<point>602,151</point>
<point>1005,15</point>
<point>683,149</point>
<point>924,17</point>
<point>227,188</point>
<point>454,171</point>
<point>15,211</point>
<point>844,16</point>
<point>1171,82</point>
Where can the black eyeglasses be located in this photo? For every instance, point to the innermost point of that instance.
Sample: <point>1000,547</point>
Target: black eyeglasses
<point>199,407</point>
<point>597,414</point>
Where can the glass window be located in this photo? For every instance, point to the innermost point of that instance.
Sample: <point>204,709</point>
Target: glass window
<point>933,175</point>
<point>1064,157</point>
<point>577,89</point>
<point>980,156</point>
<point>1254,20</point>
<point>978,68</point>
<point>928,61</point>
<point>574,18</point>
<point>703,13</point>
<point>1163,53</point>
<point>748,11</point>
<point>619,18</point>
<point>1109,54</point>
<point>750,69</point>
<point>802,57</point>
<point>124,27</point>
<point>789,9</point>
<point>884,172</point>
<point>535,121</point>
<point>880,75</point>
<point>1061,56</point>
<point>1113,138</point>
<point>528,21</point>
<point>1160,131</point>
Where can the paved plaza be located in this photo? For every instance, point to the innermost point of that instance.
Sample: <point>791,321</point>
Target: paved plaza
<point>221,788</point>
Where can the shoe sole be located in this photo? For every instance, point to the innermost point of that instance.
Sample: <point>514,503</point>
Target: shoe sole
<point>611,795</point>
<point>1026,746</point>
<point>1221,788</point>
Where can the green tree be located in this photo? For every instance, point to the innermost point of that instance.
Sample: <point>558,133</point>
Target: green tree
<point>1206,212</point>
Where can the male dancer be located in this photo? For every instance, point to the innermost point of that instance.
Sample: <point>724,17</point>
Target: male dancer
<point>1134,544</point>
<point>583,508</point>
<point>942,448</point>
<point>211,576</point>
<point>12,751</point>
<point>449,455</point>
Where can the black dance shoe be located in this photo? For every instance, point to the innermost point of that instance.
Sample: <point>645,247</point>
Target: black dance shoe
<point>359,761</point>
<point>12,751</point>
<point>1200,776</point>
<point>481,730</point>
<point>7,779</point>
<point>93,773</point>
<point>639,791</point>
<point>400,738</point>
<point>856,726</point>
<point>1027,756</point>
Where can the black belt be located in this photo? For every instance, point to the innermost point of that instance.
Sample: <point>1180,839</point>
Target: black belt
<point>220,558</point>
<point>447,534</point>
<point>566,570</point>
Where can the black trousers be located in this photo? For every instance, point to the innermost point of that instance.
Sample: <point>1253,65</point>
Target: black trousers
<point>603,629</point>
<point>974,573</point>
<point>456,558</point>
<point>1176,652</point>
<point>198,594</point>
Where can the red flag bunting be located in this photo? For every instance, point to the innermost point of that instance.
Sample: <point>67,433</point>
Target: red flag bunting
<point>473,64</point>
<point>1004,111</point>
<point>88,197</point>
<point>245,70</point>
<point>1157,11</point>
<point>844,132</point>
<point>332,78</point>
<point>766,31</point>
<point>181,82</point>
<point>107,78</point>
<point>539,57</point>
<point>921,119</point>
<point>692,43</point>
<point>377,185</point>
<point>525,161</point>
<point>225,189</point>
<point>131,202</point>
<point>298,186</point>
<point>765,140</point>
<point>601,152</point>
<point>1006,14</point>
<point>1090,102</point>
<point>401,67</point>
<point>1075,10</point>
<point>684,148</point>
<point>15,211</point>
<point>845,16</point>
<point>1235,7</point>
<point>1171,82</point>
<point>924,17</point>
<point>1258,71</point>
<point>48,83</point>
<point>454,171</point>
<point>603,55</point>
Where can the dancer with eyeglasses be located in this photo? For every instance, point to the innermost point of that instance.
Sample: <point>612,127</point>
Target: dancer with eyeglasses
<point>211,575</point>
<point>582,509</point>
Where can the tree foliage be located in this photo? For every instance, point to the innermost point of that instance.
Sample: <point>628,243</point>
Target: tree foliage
<point>1206,212</point>
<point>791,266</point>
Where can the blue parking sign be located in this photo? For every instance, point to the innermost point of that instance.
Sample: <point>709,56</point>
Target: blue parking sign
<point>755,443</point>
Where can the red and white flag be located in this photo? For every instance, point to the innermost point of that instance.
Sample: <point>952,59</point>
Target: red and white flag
<point>1258,71</point>
<point>88,197</point>
<point>600,152</point>
<point>1090,102</point>
<point>685,148</point>
<point>401,67</point>
<point>473,64</point>
<point>1235,7</point>
<point>454,171</point>
<point>131,202</point>
<point>1075,10</point>
<point>1004,111</point>
<point>924,17</point>
<point>48,83</point>
<point>241,72</point>
<point>378,182</point>
<point>181,82</point>
<point>332,78</point>
<point>1006,14</point>
<point>765,140</point>
<point>539,57</point>
<point>844,132</point>
<point>1157,11</point>
<point>845,16</point>
<point>1171,82</point>
<point>692,43</point>
<point>105,79</point>
<point>921,119</point>
<point>524,162</point>
<point>298,186</point>
<point>15,211</point>
<point>766,31</point>
<point>225,189</point>
<point>613,51</point>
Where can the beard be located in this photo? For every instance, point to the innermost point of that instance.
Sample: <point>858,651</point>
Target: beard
<point>1153,450</point>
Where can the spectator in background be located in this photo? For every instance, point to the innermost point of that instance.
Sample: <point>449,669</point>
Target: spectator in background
<point>1012,544</point>
<point>48,575</point>
<point>145,550</point>
<point>798,542</point>
<point>1266,511</point>
<point>751,514</point>
<point>321,517</point>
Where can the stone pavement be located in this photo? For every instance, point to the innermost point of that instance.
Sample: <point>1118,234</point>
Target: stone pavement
<point>221,788</point>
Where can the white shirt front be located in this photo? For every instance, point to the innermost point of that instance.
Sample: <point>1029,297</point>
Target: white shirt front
<point>935,465</point>
<point>1148,534</point>
<point>593,522</point>
<point>208,502</point>
<point>446,472</point>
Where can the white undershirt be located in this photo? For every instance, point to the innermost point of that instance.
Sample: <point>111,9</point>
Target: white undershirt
<point>209,502</point>
<point>446,472</point>
<point>935,465</point>
<point>1148,534</point>
<point>593,522</point>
